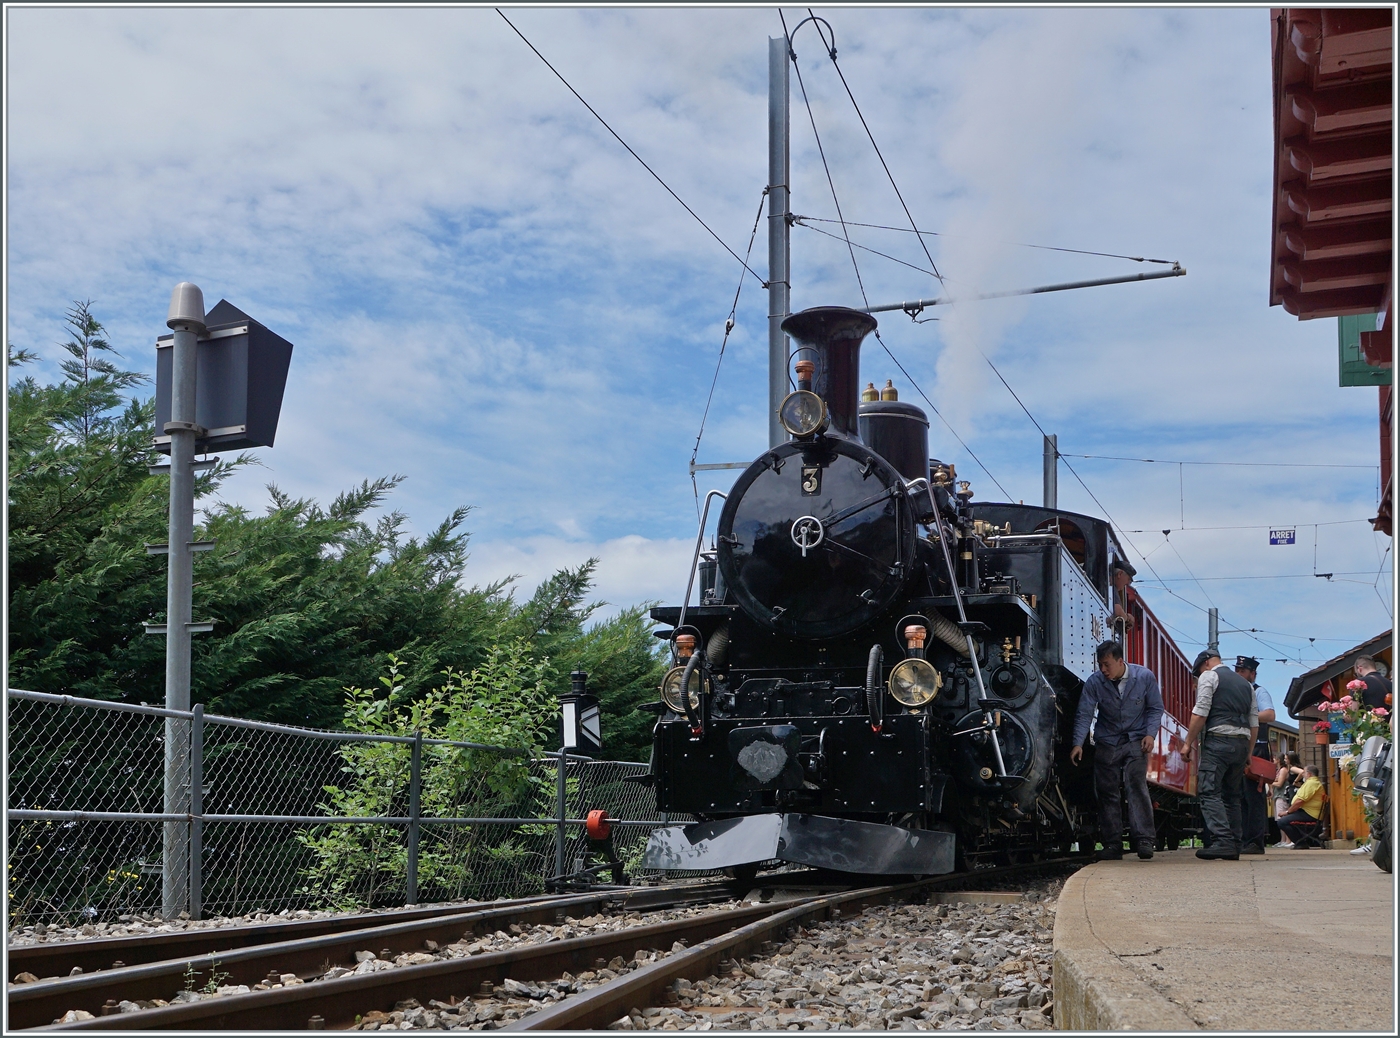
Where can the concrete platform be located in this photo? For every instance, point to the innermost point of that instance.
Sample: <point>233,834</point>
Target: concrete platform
<point>1181,944</point>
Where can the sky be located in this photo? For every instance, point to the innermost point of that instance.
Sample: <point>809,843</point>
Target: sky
<point>489,296</point>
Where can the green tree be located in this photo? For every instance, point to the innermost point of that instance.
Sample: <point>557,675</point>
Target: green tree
<point>307,600</point>
<point>96,380</point>
<point>623,661</point>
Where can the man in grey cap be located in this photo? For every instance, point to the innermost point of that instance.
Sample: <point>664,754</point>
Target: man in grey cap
<point>1255,810</point>
<point>1227,721</point>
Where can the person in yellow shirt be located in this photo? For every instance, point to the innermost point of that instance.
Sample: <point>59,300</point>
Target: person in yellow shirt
<point>1306,806</point>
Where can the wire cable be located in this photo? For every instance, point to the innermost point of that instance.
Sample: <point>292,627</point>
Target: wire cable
<point>1243,464</point>
<point>1020,244</point>
<point>831,52</point>
<point>1191,572</point>
<point>936,411</point>
<point>1376,585</point>
<point>615,134</point>
<point>728,327</point>
<point>1109,517</point>
<point>1266,576</point>
<point>797,220</point>
<point>792,56</point>
<point>1266,526</point>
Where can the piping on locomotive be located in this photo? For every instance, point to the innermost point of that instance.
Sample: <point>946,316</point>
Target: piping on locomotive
<point>880,675</point>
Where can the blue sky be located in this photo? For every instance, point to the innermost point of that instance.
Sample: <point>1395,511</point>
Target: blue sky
<point>489,296</point>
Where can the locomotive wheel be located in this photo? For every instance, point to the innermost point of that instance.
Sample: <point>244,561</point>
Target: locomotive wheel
<point>743,875</point>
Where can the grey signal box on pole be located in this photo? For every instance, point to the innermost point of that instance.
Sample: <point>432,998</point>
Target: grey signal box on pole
<point>241,374</point>
<point>219,383</point>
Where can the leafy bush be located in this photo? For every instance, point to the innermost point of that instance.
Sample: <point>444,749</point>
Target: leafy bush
<point>502,703</point>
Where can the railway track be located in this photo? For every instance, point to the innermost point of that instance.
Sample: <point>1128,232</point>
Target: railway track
<point>152,966</point>
<point>689,947</point>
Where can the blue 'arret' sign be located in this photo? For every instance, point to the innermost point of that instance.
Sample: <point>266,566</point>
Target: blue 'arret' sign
<point>1282,537</point>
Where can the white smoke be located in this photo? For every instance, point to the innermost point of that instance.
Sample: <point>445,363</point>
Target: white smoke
<point>1012,139</point>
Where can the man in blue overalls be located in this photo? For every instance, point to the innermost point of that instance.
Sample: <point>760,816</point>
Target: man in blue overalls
<point>1129,702</point>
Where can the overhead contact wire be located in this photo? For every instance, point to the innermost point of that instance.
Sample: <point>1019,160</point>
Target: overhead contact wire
<point>1244,464</point>
<point>619,139</point>
<point>1105,511</point>
<point>792,55</point>
<point>728,327</point>
<point>1019,244</point>
<point>831,52</point>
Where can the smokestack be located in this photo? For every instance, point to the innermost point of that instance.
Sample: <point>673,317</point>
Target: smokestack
<point>832,336</point>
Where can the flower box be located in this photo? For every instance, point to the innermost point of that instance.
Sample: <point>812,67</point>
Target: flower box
<point>1322,738</point>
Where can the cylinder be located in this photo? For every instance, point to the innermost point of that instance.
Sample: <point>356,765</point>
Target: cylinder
<point>898,432</point>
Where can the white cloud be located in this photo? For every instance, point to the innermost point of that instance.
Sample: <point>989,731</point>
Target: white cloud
<point>489,295</point>
<point>630,569</point>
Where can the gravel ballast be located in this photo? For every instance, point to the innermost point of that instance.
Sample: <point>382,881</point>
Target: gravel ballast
<point>954,966</point>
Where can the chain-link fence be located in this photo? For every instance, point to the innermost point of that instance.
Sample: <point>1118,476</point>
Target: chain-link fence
<point>287,817</point>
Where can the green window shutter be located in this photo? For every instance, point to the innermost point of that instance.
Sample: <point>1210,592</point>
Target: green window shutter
<point>1352,369</point>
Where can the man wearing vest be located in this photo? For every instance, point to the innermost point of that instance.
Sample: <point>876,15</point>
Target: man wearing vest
<point>1226,719</point>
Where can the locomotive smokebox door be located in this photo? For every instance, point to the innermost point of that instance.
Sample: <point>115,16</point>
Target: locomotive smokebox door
<point>816,556</point>
<point>766,757</point>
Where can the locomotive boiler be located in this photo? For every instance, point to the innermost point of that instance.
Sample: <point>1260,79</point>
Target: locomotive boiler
<point>879,675</point>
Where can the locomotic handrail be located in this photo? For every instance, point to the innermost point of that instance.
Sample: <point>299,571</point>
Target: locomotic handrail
<point>695,563</point>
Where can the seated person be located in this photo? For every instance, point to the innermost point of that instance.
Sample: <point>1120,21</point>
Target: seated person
<point>1306,806</point>
<point>1290,775</point>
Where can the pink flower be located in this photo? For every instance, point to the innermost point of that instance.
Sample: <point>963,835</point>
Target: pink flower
<point>1347,701</point>
<point>1356,686</point>
<point>1381,711</point>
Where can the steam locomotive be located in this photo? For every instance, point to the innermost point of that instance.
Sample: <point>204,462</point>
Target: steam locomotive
<point>880,675</point>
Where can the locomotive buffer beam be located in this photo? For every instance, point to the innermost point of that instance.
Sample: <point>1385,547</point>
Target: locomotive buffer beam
<point>838,844</point>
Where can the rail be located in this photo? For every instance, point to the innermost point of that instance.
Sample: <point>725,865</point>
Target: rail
<point>326,998</point>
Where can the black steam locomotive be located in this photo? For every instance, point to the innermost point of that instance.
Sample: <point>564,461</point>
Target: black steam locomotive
<point>880,675</point>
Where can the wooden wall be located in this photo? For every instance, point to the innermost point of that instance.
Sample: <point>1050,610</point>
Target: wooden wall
<point>1344,809</point>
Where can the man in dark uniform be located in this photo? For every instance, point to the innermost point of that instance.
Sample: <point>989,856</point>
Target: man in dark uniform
<point>1226,721</point>
<point>1256,798</point>
<point>1129,702</point>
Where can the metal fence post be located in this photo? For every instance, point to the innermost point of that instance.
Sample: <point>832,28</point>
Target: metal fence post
<point>563,807</point>
<point>196,812</point>
<point>415,775</point>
